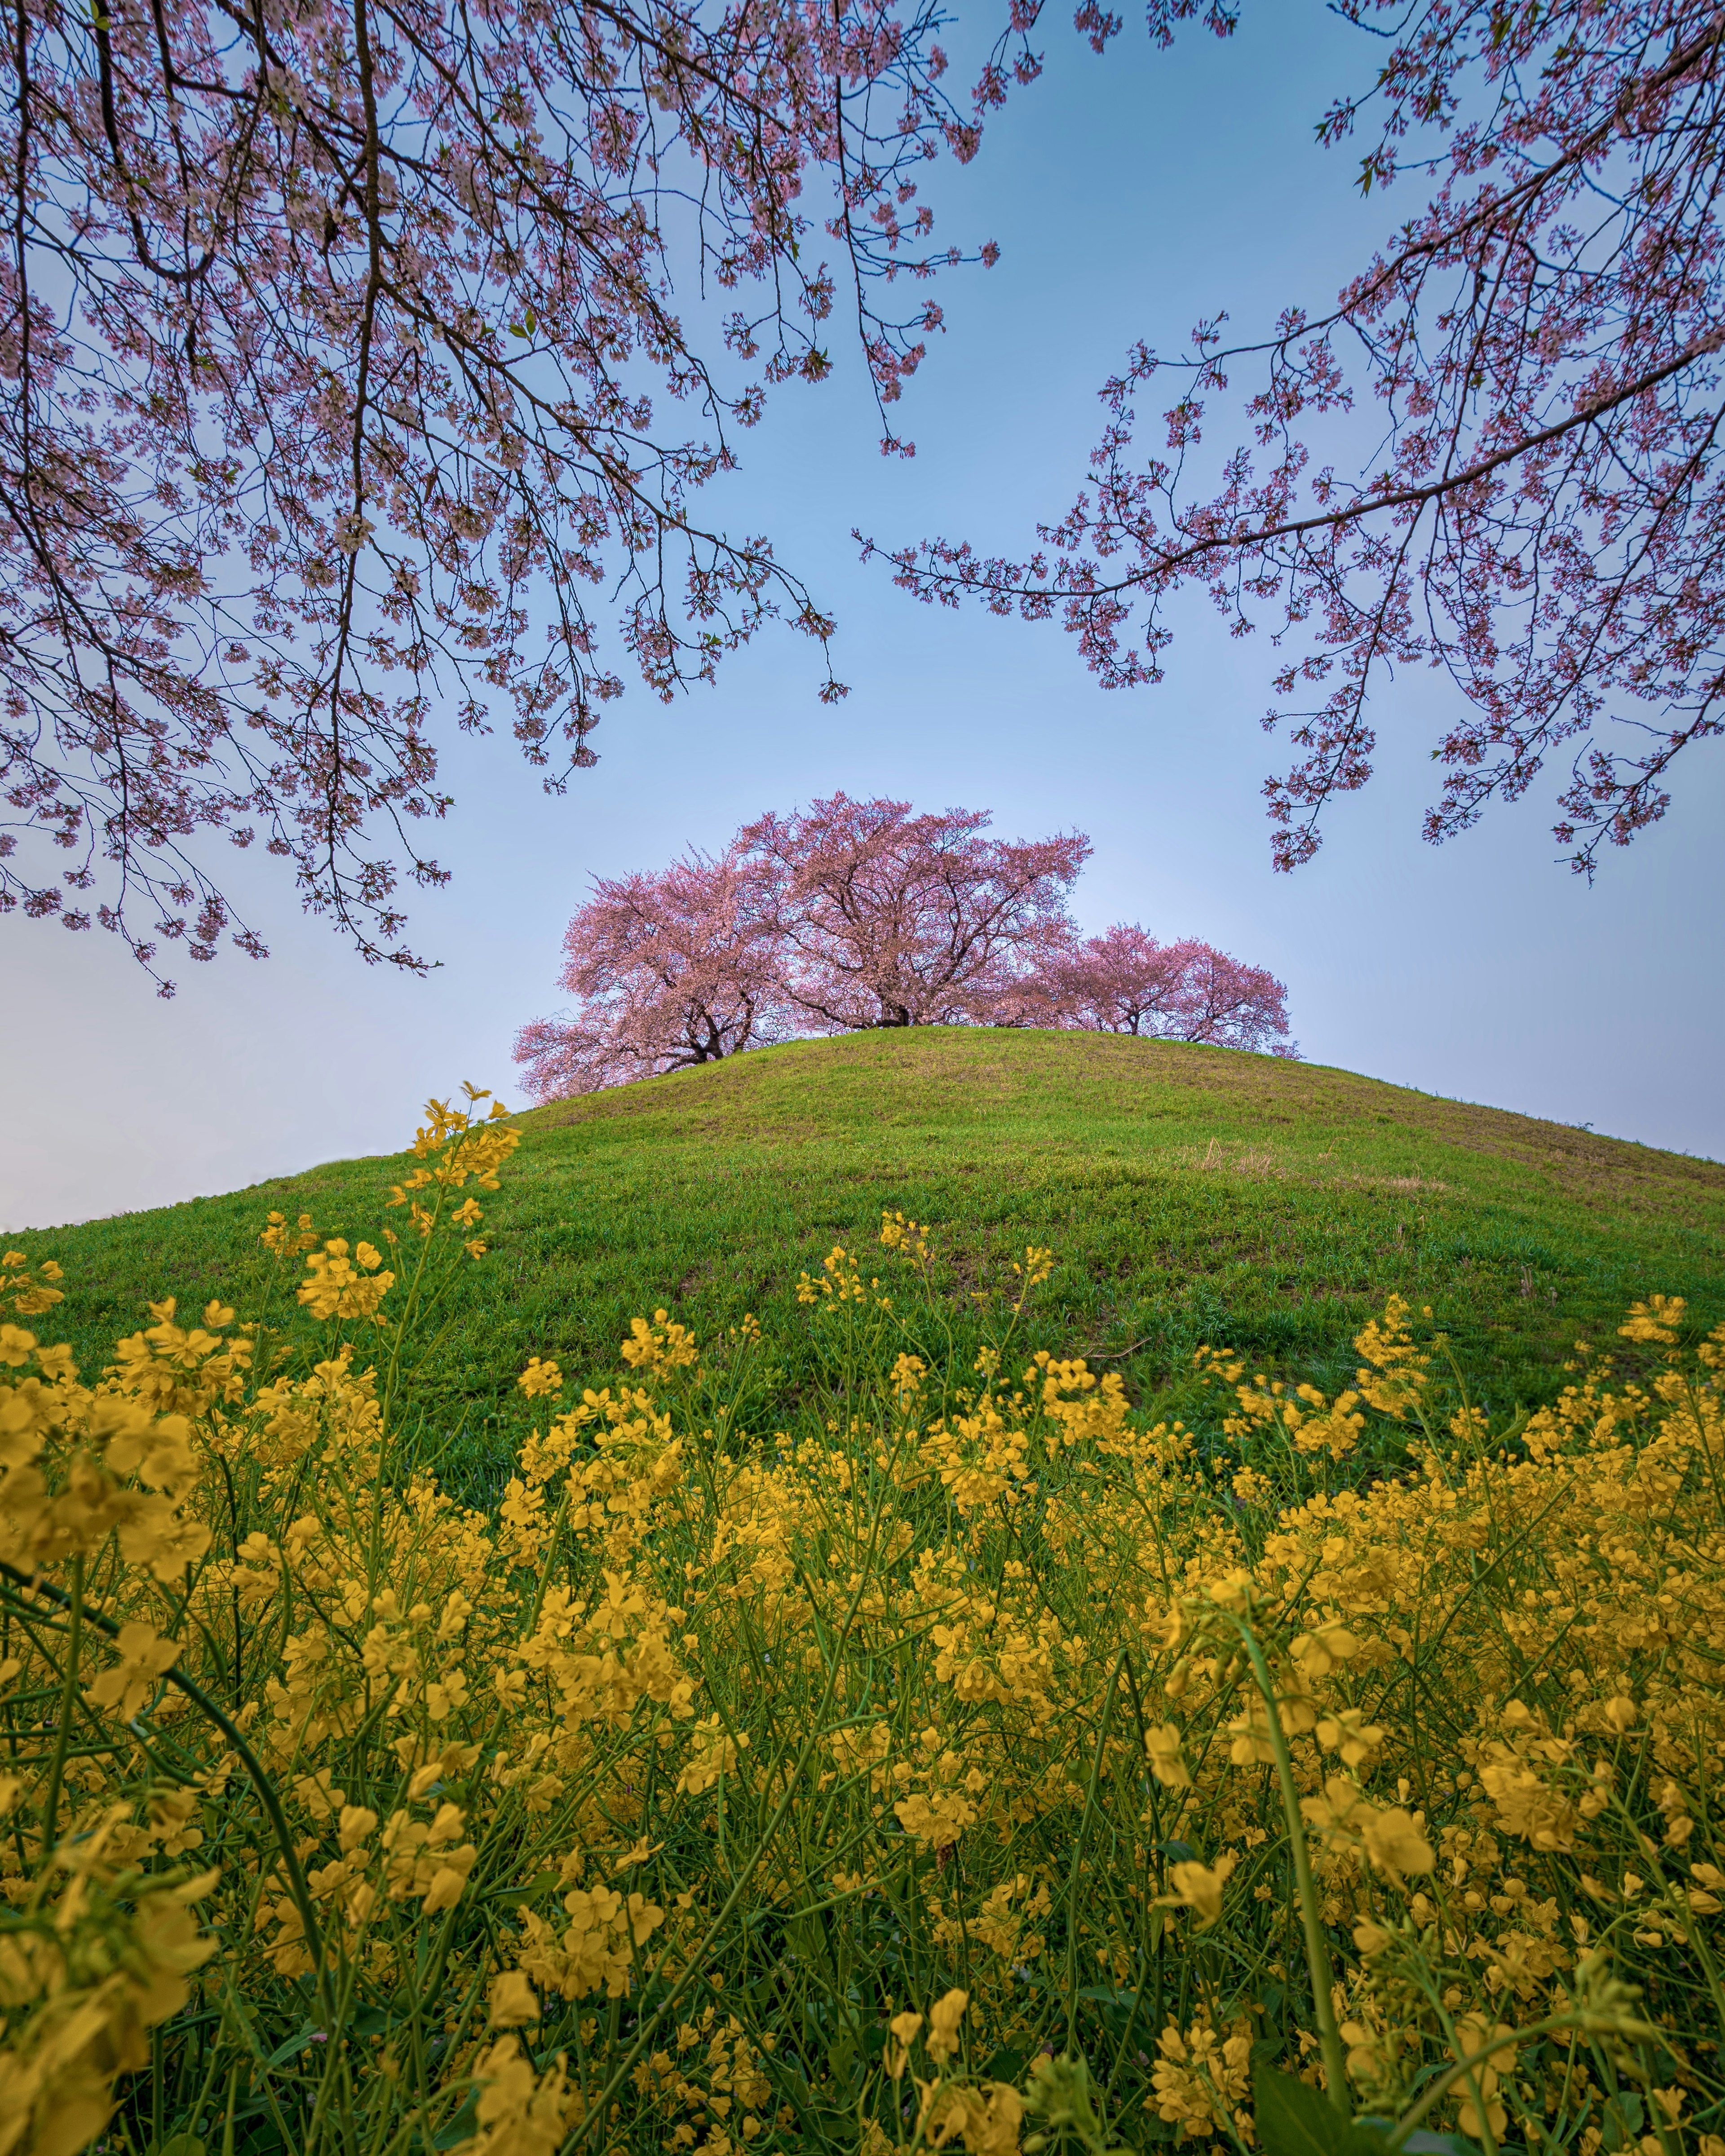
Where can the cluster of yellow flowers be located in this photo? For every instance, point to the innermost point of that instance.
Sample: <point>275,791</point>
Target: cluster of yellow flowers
<point>975,1763</point>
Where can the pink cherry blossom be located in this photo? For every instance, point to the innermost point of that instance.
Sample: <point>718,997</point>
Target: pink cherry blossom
<point>1125,981</point>
<point>891,918</point>
<point>672,970</point>
<point>857,915</point>
<point>344,398</point>
<point>1533,366</point>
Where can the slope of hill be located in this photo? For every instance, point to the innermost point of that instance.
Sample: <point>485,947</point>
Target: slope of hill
<point>1189,1194</point>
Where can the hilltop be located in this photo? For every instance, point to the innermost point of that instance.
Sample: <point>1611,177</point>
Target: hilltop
<point>1190,1194</point>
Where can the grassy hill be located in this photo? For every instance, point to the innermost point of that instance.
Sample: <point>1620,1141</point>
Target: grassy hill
<point>1191,1194</point>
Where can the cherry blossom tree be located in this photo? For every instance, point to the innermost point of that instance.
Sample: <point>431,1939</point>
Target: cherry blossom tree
<point>672,970</point>
<point>342,388</point>
<point>1532,498</point>
<point>860,914</point>
<point>1125,981</point>
<point>889,918</point>
<point>1230,1005</point>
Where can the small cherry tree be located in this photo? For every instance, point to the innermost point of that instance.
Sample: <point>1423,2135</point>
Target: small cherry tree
<point>1125,981</point>
<point>890,919</point>
<point>672,970</point>
<point>1122,982</point>
<point>1232,1005</point>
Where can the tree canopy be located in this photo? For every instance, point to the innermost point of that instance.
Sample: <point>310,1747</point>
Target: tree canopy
<point>850,916</point>
<point>1534,500</point>
<point>349,392</point>
<point>344,396</point>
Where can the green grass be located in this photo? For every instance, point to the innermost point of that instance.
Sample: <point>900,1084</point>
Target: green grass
<point>1190,1194</point>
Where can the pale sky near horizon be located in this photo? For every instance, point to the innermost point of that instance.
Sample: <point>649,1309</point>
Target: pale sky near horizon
<point>1130,195</point>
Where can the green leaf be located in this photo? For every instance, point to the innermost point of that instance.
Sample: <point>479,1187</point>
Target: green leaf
<point>376,2020</point>
<point>1622,2119</point>
<point>462,2126</point>
<point>295,2045</point>
<point>541,1882</point>
<point>1419,2143</point>
<point>1295,2119</point>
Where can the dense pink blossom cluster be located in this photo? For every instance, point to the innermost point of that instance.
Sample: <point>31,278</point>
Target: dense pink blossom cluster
<point>887,917</point>
<point>1126,982</point>
<point>1531,495</point>
<point>860,914</point>
<point>671,970</point>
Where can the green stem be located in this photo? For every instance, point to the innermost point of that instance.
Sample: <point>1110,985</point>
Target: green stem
<point>248,1758</point>
<point>1317,1947</point>
<point>1464,2069</point>
<point>1090,1804</point>
<point>69,1694</point>
<point>599,2107</point>
<point>410,1309</point>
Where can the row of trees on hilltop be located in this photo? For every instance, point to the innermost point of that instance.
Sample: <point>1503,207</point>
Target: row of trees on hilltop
<point>860,914</point>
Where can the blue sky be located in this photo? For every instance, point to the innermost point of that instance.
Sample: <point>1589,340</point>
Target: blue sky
<point>1130,195</point>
